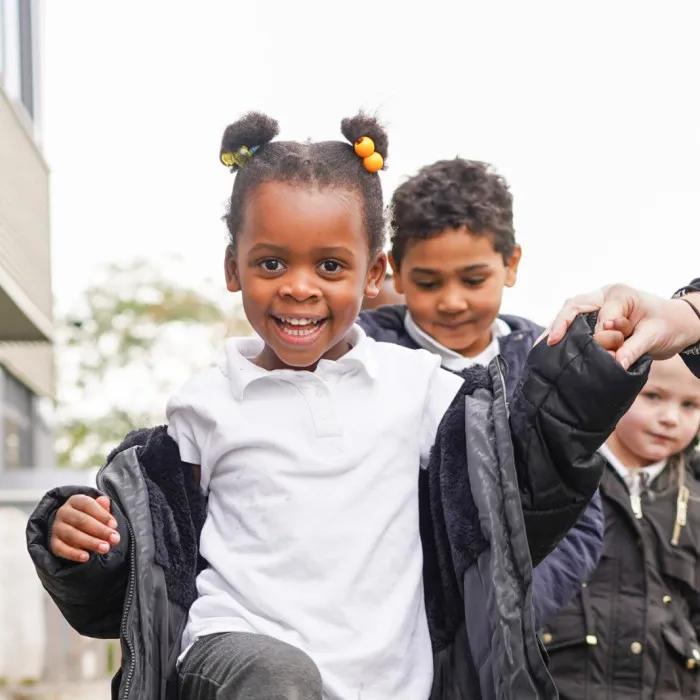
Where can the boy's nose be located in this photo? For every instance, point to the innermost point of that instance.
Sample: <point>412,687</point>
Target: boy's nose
<point>452,304</point>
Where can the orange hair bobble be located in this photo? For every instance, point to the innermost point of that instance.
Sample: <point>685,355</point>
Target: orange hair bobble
<point>373,161</point>
<point>364,146</point>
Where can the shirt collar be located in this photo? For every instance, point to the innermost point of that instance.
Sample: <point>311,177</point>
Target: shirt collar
<point>239,353</point>
<point>449,358</point>
<point>652,471</point>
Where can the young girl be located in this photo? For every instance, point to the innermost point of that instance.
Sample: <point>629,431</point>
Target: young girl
<point>329,568</point>
<point>633,630</point>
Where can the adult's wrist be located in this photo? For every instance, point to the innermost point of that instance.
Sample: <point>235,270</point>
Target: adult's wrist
<point>688,308</point>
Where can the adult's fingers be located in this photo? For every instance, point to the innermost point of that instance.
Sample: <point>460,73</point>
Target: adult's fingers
<point>610,340</point>
<point>622,324</point>
<point>566,317</point>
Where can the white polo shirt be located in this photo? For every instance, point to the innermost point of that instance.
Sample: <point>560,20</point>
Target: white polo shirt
<point>312,526</point>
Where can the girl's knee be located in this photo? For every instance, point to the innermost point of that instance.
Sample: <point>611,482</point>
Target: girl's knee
<point>287,673</point>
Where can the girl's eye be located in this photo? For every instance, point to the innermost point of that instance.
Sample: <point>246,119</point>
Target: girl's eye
<point>331,266</point>
<point>651,395</point>
<point>271,265</point>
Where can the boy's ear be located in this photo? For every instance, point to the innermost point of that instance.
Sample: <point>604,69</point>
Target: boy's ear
<point>375,275</point>
<point>398,284</point>
<point>233,283</point>
<point>512,266</point>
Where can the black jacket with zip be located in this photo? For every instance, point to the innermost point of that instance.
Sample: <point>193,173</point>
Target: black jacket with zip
<point>499,493</point>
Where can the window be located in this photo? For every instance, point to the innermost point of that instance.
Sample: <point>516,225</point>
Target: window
<point>26,55</point>
<point>17,429</point>
<point>2,40</point>
<point>17,53</point>
<point>10,45</point>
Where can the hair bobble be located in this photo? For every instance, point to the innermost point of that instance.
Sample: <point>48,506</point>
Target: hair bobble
<point>373,161</point>
<point>236,160</point>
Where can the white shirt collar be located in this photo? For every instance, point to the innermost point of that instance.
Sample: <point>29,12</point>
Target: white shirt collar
<point>449,358</point>
<point>626,474</point>
<point>241,371</point>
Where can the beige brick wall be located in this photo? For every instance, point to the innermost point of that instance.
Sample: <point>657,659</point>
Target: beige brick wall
<point>32,364</point>
<point>25,253</point>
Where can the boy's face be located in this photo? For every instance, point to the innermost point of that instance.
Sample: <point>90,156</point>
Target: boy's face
<point>453,285</point>
<point>302,264</point>
<point>663,420</point>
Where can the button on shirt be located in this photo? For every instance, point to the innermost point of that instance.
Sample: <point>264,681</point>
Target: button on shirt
<point>312,527</point>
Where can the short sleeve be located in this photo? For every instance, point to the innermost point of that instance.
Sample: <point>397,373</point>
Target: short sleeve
<point>190,431</point>
<point>442,389</point>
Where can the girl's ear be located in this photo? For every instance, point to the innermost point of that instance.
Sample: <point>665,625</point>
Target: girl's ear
<point>233,283</point>
<point>375,275</point>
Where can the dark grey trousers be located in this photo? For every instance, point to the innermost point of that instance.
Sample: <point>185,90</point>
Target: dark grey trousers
<point>243,666</point>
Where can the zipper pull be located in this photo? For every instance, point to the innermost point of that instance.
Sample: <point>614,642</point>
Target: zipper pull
<point>681,514</point>
<point>636,503</point>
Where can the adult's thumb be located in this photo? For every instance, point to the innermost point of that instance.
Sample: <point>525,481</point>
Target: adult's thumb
<point>633,348</point>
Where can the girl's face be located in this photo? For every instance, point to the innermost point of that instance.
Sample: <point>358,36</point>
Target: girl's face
<point>663,420</point>
<point>303,266</point>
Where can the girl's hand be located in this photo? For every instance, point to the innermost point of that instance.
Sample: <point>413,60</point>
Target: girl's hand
<point>83,524</point>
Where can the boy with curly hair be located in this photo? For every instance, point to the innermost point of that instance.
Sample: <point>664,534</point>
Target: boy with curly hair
<point>453,253</point>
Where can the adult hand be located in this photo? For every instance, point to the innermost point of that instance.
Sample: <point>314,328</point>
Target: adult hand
<point>651,325</point>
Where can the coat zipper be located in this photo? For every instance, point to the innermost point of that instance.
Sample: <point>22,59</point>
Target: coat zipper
<point>127,606</point>
<point>131,588</point>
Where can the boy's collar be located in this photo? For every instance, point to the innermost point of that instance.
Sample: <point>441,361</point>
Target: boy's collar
<point>450,359</point>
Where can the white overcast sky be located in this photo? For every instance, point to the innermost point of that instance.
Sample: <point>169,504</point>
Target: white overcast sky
<point>590,110</point>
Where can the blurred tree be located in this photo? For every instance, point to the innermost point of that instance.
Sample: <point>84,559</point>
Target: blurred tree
<point>137,337</point>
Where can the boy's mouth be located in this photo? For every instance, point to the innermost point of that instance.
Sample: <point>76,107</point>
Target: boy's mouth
<point>299,328</point>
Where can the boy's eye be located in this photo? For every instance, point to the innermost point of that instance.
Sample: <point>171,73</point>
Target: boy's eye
<point>691,405</point>
<point>426,285</point>
<point>651,395</point>
<point>272,265</point>
<point>331,266</point>
<point>474,281</point>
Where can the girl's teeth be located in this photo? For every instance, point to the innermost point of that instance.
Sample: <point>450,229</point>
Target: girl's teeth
<point>299,321</point>
<point>301,332</point>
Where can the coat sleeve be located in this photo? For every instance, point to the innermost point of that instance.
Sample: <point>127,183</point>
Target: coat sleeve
<point>567,403</point>
<point>91,595</point>
<point>692,359</point>
<point>559,576</point>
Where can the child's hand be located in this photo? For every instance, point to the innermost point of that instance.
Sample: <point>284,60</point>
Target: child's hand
<point>610,340</point>
<point>83,524</point>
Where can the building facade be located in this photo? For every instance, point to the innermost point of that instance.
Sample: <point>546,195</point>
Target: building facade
<point>37,648</point>
<point>26,317</point>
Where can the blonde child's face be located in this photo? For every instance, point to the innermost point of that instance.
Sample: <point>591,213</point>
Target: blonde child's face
<point>663,420</point>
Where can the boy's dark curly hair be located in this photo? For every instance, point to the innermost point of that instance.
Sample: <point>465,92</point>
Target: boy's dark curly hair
<point>323,164</point>
<point>450,194</point>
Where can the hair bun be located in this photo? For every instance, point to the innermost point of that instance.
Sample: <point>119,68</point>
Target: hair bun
<point>251,130</point>
<point>354,128</point>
